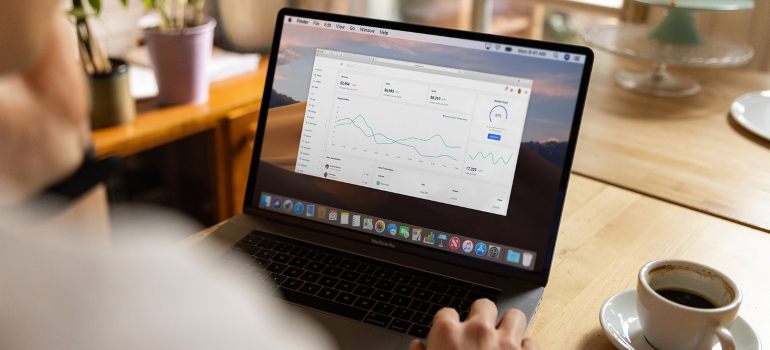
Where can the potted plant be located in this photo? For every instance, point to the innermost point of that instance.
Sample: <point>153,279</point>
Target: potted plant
<point>112,103</point>
<point>180,49</point>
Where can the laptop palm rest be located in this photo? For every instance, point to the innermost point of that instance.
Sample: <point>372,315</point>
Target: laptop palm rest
<point>354,335</point>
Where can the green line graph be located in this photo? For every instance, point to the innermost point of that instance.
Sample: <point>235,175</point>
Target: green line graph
<point>489,155</point>
<point>382,139</point>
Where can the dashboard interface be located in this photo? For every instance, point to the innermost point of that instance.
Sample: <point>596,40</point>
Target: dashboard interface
<point>424,131</point>
<point>460,140</point>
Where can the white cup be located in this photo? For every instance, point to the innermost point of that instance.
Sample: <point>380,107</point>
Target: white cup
<point>668,325</point>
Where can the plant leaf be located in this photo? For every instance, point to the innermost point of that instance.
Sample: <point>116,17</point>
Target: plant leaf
<point>124,3</point>
<point>78,13</point>
<point>149,4</point>
<point>96,5</point>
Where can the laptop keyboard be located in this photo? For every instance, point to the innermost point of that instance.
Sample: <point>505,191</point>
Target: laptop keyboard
<point>375,292</point>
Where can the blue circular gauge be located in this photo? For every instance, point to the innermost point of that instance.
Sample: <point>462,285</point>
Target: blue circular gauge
<point>498,113</point>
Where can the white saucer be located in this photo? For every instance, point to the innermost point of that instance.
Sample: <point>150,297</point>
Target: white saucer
<point>621,325</point>
<point>752,111</point>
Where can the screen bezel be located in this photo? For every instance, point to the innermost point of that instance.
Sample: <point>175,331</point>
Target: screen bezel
<point>251,204</point>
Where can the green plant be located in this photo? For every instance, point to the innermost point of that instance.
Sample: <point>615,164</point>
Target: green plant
<point>93,58</point>
<point>173,13</point>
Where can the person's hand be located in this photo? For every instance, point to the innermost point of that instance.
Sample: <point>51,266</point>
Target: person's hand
<point>478,332</point>
<point>44,124</point>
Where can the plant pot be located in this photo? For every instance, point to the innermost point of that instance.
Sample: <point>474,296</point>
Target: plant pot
<point>179,58</point>
<point>111,99</point>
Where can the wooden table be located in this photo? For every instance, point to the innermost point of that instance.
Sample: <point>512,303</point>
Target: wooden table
<point>683,150</point>
<point>608,233</point>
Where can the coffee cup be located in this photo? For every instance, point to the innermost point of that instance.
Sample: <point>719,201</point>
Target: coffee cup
<point>685,305</point>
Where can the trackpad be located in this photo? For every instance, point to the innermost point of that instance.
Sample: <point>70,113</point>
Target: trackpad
<point>354,335</point>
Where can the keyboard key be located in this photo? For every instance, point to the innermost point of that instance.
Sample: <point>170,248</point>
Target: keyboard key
<point>381,295</point>
<point>439,287</point>
<point>348,264</point>
<point>419,282</point>
<point>460,305</point>
<point>441,299</point>
<point>267,244</point>
<point>315,255</point>
<point>399,326</point>
<point>367,280</point>
<point>328,281</point>
<point>403,289</point>
<point>404,314</point>
<point>463,316</point>
<point>291,283</point>
<point>365,303</point>
<point>366,269</point>
<point>349,275</point>
<point>346,286</point>
<point>332,260</point>
<point>422,319</point>
<point>419,331</point>
<point>363,291</point>
<point>383,273</point>
<point>323,305</point>
<point>265,253</point>
<point>401,300</point>
<point>310,288</point>
<point>332,271</point>
<point>298,262</point>
<point>283,247</point>
<point>433,309</point>
<point>457,292</point>
<point>328,293</point>
<point>401,277</point>
<point>419,305</point>
<point>422,294</point>
<point>261,262</point>
<point>310,276</point>
<point>383,308</point>
<point>315,266</point>
<point>346,298</point>
<point>299,252</point>
<point>377,319</point>
<point>294,272</point>
<point>282,258</point>
<point>276,267</point>
<point>385,284</point>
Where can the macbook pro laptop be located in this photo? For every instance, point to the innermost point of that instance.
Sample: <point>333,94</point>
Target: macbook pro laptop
<point>399,169</point>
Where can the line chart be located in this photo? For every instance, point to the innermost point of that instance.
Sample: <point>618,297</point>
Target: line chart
<point>490,155</point>
<point>382,139</point>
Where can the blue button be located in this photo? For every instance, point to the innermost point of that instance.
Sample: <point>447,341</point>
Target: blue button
<point>495,137</point>
<point>513,257</point>
<point>481,249</point>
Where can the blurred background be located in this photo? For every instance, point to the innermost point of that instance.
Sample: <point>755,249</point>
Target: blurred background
<point>183,175</point>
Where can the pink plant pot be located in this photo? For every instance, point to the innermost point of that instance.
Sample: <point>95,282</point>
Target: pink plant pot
<point>179,58</point>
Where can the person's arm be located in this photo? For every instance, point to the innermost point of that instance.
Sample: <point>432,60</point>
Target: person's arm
<point>479,331</point>
<point>44,124</point>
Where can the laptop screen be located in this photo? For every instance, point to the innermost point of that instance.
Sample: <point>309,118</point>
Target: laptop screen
<point>445,143</point>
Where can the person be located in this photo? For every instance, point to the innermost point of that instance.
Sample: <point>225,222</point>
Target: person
<point>65,293</point>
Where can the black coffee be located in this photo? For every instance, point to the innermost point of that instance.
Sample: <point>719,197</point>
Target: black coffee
<point>687,298</point>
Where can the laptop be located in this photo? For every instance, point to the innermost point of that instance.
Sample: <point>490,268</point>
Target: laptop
<point>399,169</point>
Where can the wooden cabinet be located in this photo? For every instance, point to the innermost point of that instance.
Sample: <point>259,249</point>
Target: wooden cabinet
<point>240,128</point>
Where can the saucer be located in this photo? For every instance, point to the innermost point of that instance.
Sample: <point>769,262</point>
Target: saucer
<point>752,111</point>
<point>621,325</point>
